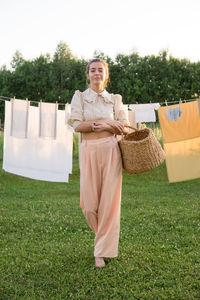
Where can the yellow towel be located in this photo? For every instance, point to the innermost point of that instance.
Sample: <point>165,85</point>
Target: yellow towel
<point>181,141</point>
<point>187,127</point>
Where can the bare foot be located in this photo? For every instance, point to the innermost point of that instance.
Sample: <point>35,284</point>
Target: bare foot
<point>99,262</point>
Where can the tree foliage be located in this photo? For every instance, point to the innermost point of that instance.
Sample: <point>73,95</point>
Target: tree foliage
<point>137,79</point>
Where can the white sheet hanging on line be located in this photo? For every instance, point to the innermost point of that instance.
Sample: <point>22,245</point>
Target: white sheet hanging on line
<point>67,112</point>
<point>19,118</point>
<point>145,112</point>
<point>36,157</point>
<point>48,119</point>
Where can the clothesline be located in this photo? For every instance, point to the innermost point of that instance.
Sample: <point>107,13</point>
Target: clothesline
<point>3,98</point>
<point>32,101</point>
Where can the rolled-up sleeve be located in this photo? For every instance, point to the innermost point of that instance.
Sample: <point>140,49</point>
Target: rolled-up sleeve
<point>121,114</point>
<point>76,116</point>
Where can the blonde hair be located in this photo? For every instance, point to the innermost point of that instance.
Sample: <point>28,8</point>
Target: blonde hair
<point>105,64</point>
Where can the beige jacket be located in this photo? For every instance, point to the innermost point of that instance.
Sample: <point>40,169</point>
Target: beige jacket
<point>92,106</point>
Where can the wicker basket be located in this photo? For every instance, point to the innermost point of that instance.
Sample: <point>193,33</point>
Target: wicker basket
<point>141,151</point>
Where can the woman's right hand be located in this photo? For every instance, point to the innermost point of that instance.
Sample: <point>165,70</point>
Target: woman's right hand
<point>100,126</point>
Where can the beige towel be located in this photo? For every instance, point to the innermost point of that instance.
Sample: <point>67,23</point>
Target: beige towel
<point>145,112</point>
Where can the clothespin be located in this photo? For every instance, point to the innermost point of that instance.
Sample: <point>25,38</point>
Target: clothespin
<point>136,102</point>
<point>40,105</point>
<point>27,109</point>
<point>55,129</point>
<point>27,103</point>
<point>57,102</point>
<point>166,102</point>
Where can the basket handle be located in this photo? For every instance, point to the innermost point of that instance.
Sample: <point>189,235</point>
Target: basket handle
<point>131,127</point>
<point>135,129</point>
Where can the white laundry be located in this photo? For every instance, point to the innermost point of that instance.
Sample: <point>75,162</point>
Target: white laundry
<point>67,112</point>
<point>125,106</point>
<point>145,112</point>
<point>132,117</point>
<point>19,118</point>
<point>35,157</point>
<point>48,119</point>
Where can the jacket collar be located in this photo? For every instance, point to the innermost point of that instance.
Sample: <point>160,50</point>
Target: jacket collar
<point>91,96</point>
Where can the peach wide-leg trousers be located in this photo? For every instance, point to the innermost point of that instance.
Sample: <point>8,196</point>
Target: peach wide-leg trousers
<point>100,192</point>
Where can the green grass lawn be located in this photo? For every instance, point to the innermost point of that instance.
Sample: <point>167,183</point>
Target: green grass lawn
<point>46,247</point>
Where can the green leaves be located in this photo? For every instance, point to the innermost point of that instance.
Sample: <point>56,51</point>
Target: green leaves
<point>137,79</point>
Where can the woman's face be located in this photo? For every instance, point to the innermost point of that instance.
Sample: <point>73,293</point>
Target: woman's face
<point>97,74</point>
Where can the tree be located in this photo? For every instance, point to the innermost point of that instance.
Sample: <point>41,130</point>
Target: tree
<point>17,60</point>
<point>137,79</point>
<point>62,52</point>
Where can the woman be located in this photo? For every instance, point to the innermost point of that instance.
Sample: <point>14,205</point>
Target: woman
<point>98,116</point>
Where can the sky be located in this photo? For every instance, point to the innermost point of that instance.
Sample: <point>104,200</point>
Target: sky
<point>35,27</point>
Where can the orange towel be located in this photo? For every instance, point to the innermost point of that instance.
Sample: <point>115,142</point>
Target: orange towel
<point>181,141</point>
<point>187,127</point>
